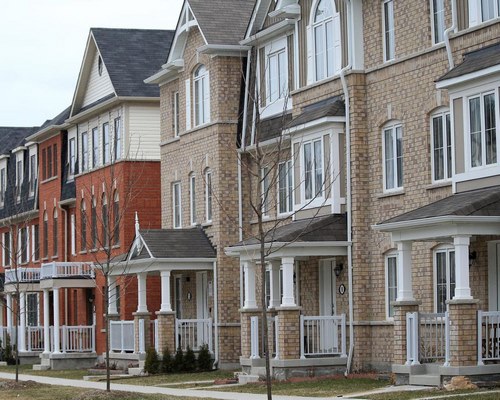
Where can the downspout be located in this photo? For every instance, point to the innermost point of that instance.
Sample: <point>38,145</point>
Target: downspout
<point>216,317</point>
<point>447,32</point>
<point>348,189</point>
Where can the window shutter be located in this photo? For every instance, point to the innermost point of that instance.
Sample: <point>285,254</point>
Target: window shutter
<point>188,104</point>
<point>206,92</point>
<point>310,66</point>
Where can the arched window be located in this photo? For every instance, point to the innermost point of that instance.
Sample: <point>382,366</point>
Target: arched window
<point>201,96</point>
<point>45,235</point>
<point>105,221</point>
<point>116,217</point>
<point>326,40</point>
<point>93,221</point>
<point>83,225</point>
<point>54,233</point>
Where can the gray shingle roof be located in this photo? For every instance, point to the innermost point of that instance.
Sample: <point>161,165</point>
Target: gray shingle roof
<point>12,137</point>
<point>223,21</point>
<point>58,119</point>
<point>475,61</point>
<point>132,55</point>
<point>479,202</point>
<point>330,228</point>
<point>177,243</point>
<point>331,107</point>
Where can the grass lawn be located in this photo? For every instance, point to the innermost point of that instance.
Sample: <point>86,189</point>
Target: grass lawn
<point>28,370</point>
<point>164,380</point>
<point>479,394</point>
<point>327,387</point>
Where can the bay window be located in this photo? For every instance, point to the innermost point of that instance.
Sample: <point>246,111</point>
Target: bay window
<point>482,130</point>
<point>313,169</point>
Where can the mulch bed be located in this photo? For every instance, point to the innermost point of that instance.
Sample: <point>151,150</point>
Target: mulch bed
<point>13,385</point>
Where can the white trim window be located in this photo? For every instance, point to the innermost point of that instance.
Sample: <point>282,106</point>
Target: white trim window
<point>3,184</point>
<point>175,113</point>
<point>72,157</point>
<point>441,146</point>
<point>482,116</point>
<point>265,192</point>
<point>388,29</point>
<point>32,309</point>
<point>276,75</point>
<point>176,204</point>
<point>326,40</point>
<point>444,278</point>
<point>285,187</point>
<point>106,146</point>
<point>19,174</point>
<point>7,248</point>
<point>85,151</point>
<point>392,146</point>
<point>391,282</point>
<point>117,148</point>
<point>201,96</point>
<point>192,199</point>
<point>313,170</point>
<point>438,27</point>
<point>208,195</point>
<point>33,169</point>
<point>95,147</point>
<point>482,11</point>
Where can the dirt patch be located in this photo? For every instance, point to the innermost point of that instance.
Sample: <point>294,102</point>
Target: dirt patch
<point>103,395</point>
<point>13,385</point>
<point>339,377</point>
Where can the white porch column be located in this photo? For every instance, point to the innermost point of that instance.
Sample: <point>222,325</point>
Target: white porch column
<point>112,295</point>
<point>249,274</point>
<point>462,288</point>
<point>274,284</point>
<point>9,310</point>
<point>404,272</point>
<point>288,292</point>
<point>57,348</point>
<point>46,322</point>
<point>22,321</point>
<point>142,306</point>
<point>166,306</point>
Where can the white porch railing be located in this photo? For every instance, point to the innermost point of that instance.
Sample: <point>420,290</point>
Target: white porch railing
<point>122,336</point>
<point>22,275</point>
<point>255,335</point>
<point>323,336</point>
<point>155,340</point>
<point>427,338</point>
<point>488,336</point>
<point>67,270</point>
<point>77,339</point>
<point>34,340</point>
<point>412,356</point>
<point>193,333</point>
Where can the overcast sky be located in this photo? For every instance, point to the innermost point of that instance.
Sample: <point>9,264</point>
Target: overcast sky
<point>42,44</point>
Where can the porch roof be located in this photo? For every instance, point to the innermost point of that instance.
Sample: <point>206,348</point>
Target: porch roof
<point>330,107</point>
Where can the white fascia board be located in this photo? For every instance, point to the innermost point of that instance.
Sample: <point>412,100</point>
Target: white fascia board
<point>168,71</point>
<point>290,11</point>
<point>224,49</point>
<point>30,144</point>
<point>18,149</point>
<point>47,133</point>
<point>4,157</point>
<point>269,33</point>
<point>284,139</point>
<point>447,83</point>
<point>286,248</point>
<point>161,264</point>
<point>315,124</point>
<point>393,226</point>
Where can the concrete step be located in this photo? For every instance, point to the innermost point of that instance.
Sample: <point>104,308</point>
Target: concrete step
<point>425,380</point>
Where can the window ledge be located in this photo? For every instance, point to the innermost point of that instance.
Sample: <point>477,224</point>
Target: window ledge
<point>391,194</point>
<point>93,251</point>
<point>267,219</point>
<point>55,257</point>
<point>52,178</point>
<point>83,252</point>
<point>116,246</point>
<point>45,259</point>
<point>206,224</point>
<point>438,185</point>
<point>173,140</point>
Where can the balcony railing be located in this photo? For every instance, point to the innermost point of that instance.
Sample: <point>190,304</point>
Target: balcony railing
<point>22,275</point>
<point>488,336</point>
<point>256,350</point>
<point>323,336</point>
<point>427,338</point>
<point>67,270</point>
<point>193,333</point>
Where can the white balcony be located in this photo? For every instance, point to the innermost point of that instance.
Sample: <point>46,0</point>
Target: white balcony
<point>22,275</point>
<point>55,270</point>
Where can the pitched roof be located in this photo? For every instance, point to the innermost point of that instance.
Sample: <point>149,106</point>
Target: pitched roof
<point>330,228</point>
<point>479,202</point>
<point>475,61</point>
<point>132,55</point>
<point>222,21</point>
<point>12,137</point>
<point>58,119</point>
<point>331,107</point>
<point>177,243</point>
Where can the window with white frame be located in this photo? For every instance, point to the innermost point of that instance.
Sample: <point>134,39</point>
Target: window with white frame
<point>105,220</point>
<point>85,151</point>
<point>438,27</point>
<point>95,147</point>
<point>45,235</point>
<point>313,169</point>
<point>392,142</point>
<point>19,173</point>
<point>276,71</point>
<point>175,113</point>
<point>208,195</point>
<point>264,187</point>
<point>117,148</point>
<point>482,129</point>
<point>326,40</point>
<point>444,282</point>
<point>36,243</point>
<point>83,226</point>
<point>32,309</point>
<point>33,169</point>
<point>280,285</point>
<point>116,217</point>
<point>391,282</point>
<point>388,29</point>
<point>285,187</point>
<point>192,199</point>
<point>23,245</point>
<point>106,148</point>
<point>3,184</point>
<point>483,10</point>
<point>201,96</point>
<point>441,146</point>
<point>72,157</point>
<point>7,248</point>
<point>176,204</point>
<point>55,235</point>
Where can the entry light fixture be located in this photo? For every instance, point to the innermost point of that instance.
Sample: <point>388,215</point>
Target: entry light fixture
<point>338,269</point>
<point>472,258</point>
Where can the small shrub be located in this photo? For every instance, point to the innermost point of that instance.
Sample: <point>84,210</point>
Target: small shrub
<point>152,363</point>
<point>204,359</point>
<point>189,360</point>
<point>178,363</point>
<point>167,363</point>
<point>8,355</point>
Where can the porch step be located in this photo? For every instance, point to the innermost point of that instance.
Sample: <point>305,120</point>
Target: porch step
<point>41,367</point>
<point>425,380</point>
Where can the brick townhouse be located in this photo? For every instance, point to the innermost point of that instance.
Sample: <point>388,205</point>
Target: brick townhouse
<point>74,188</point>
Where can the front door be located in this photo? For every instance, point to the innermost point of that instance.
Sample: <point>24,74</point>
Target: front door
<point>494,276</point>
<point>328,305</point>
<point>202,307</point>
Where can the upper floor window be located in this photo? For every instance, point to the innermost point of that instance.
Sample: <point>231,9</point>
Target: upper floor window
<point>392,138</point>
<point>106,150</point>
<point>192,199</point>
<point>276,71</point>
<point>118,139</point>
<point>391,282</point>
<point>85,151</point>
<point>482,129</point>
<point>388,29</point>
<point>327,42</point>
<point>438,26</point>
<point>36,243</point>
<point>7,248</point>
<point>117,217</point>
<point>482,11</point>
<point>49,162</point>
<point>201,96</point>
<point>441,146</point>
<point>45,235</point>
<point>444,282</point>
<point>175,113</point>
<point>19,173</point>
<point>93,223</point>
<point>265,195</point>
<point>55,234</point>
<point>95,147</point>
<point>285,188</point>
<point>72,156</point>
<point>176,204</point>
<point>105,221</point>
<point>313,170</point>
<point>3,185</point>
<point>208,195</point>
<point>83,225</point>
<point>23,245</point>
<point>33,174</point>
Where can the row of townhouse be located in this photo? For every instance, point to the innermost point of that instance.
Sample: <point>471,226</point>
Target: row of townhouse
<point>360,138</point>
<point>70,191</point>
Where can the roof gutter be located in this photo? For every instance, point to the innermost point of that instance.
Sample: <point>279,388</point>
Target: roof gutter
<point>224,49</point>
<point>453,219</point>
<point>268,33</point>
<point>166,71</point>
